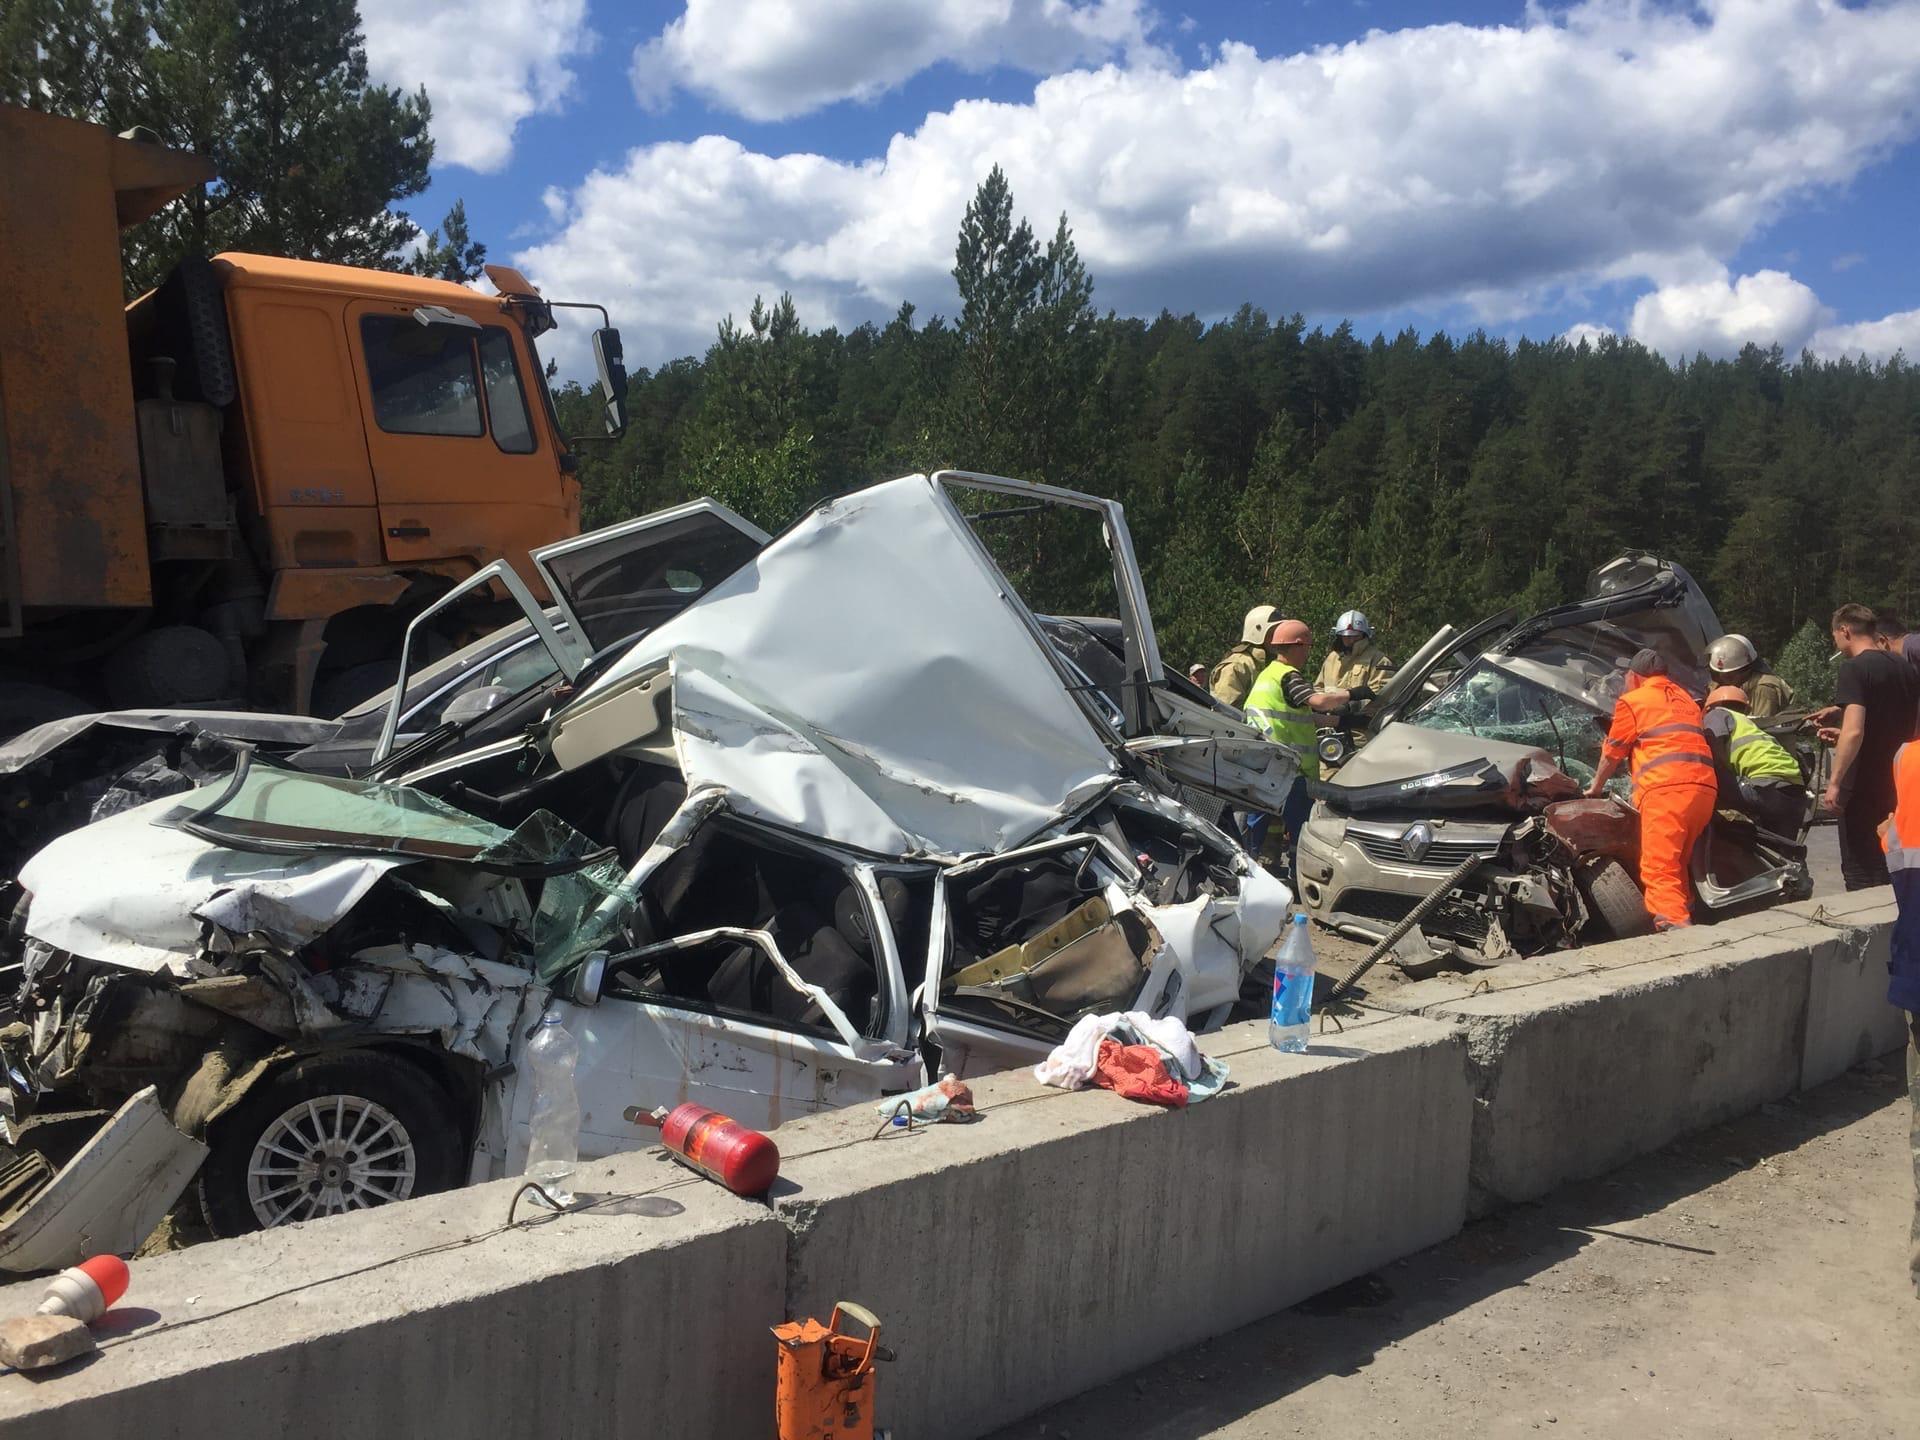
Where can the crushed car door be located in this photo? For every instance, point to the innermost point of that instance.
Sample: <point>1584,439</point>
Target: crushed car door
<point>1023,944</point>
<point>627,579</point>
<point>1217,757</point>
<point>643,1046</point>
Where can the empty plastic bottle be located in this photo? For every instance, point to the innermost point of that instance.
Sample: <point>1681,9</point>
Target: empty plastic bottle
<point>1292,990</point>
<point>553,1142</point>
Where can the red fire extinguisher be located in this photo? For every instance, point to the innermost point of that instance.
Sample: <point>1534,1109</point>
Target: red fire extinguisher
<point>720,1148</point>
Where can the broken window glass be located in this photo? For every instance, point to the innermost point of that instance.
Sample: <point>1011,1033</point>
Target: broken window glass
<point>1495,700</point>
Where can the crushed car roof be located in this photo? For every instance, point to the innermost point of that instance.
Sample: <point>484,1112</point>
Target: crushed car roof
<point>799,691</point>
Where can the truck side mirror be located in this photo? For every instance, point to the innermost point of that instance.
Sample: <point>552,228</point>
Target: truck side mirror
<point>610,362</point>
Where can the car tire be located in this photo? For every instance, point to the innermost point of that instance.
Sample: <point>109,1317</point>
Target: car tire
<point>1615,906</point>
<point>301,1125</point>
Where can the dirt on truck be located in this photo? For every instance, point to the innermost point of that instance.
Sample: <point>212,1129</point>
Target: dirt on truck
<point>239,488</point>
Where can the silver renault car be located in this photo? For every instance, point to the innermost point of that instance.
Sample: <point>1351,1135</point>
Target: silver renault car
<point>1461,813</point>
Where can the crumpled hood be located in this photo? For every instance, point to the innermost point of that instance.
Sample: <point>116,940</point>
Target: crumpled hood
<point>1403,752</point>
<point>149,916</point>
<point>289,730</point>
<point>866,680</point>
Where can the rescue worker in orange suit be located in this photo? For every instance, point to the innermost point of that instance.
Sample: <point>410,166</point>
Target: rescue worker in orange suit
<point>1658,726</point>
<point>1900,839</point>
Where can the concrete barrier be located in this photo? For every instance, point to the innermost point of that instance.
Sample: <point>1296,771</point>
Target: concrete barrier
<point>1064,1240</point>
<point>1848,1017</point>
<point>1070,1238</point>
<point>429,1319</point>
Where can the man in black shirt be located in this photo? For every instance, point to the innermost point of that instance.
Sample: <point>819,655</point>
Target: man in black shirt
<point>1875,696</point>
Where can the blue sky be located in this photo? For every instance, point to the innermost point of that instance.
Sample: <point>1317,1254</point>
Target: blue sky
<point>1696,176</point>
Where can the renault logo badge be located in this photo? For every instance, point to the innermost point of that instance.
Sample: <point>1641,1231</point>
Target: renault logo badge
<point>1417,840</point>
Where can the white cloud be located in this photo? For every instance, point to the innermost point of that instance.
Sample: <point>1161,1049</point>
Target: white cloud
<point>773,59</point>
<point>486,66</point>
<point>1719,315</point>
<point>1450,164</point>
<point>1875,339</point>
<point>1585,333</point>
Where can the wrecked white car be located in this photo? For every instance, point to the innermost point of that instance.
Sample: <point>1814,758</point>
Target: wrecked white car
<point>847,819</point>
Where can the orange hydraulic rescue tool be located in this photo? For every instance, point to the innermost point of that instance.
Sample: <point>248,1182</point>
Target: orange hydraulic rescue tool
<point>826,1378</point>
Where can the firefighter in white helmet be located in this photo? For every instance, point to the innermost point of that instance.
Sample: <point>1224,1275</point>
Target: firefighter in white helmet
<point>1732,660</point>
<point>1354,661</point>
<point>1233,677</point>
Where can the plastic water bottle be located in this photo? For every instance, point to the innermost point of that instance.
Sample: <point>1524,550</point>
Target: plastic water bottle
<point>553,1144</point>
<point>1292,990</point>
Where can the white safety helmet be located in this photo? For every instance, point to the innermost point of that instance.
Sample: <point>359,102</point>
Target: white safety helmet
<point>1259,620</point>
<point>1731,654</point>
<point>1352,623</point>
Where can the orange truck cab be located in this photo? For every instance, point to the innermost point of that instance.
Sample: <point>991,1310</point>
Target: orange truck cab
<point>240,488</point>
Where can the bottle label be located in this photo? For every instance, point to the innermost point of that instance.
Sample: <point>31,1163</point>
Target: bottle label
<point>1292,996</point>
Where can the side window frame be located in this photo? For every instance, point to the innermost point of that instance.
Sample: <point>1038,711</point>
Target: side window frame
<point>519,386</point>
<point>372,325</point>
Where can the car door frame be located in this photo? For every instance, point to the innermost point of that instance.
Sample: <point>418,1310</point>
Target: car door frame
<point>610,534</point>
<point>1403,690</point>
<point>1147,701</point>
<point>658,1035</point>
<point>567,653</point>
<point>1005,1046</point>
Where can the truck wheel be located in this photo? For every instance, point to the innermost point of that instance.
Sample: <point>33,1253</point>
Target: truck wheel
<point>327,1135</point>
<point>24,705</point>
<point>168,666</point>
<point>199,310</point>
<point>1615,903</point>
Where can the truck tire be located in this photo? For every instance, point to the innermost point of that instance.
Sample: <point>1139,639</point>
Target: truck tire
<point>24,705</point>
<point>1615,905</point>
<point>327,1135</point>
<point>196,311</point>
<point>167,667</point>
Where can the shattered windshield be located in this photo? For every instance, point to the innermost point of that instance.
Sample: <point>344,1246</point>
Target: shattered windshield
<point>1495,700</point>
<point>262,807</point>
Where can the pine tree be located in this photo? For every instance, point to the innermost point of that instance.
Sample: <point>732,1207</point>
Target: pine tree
<point>450,253</point>
<point>310,153</point>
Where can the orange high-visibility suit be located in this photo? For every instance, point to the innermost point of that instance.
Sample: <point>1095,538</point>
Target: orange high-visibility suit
<point>1658,725</point>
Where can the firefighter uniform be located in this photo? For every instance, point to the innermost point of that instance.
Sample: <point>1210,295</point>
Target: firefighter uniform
<point>1767,693</point>
<point>1657,726</point>
<point>1233,677</point>
<point>1363,665</point>
<point>1901,839</point>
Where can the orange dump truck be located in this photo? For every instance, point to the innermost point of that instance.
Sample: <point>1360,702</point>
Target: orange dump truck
<point>239,488</point>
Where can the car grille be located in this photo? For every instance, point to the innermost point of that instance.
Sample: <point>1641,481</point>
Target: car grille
<point>1441,854</point>
<point>1449,918</point>
<point>1381,905</point>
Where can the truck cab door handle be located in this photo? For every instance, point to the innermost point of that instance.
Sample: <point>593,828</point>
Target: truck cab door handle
<point>408,532</point>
